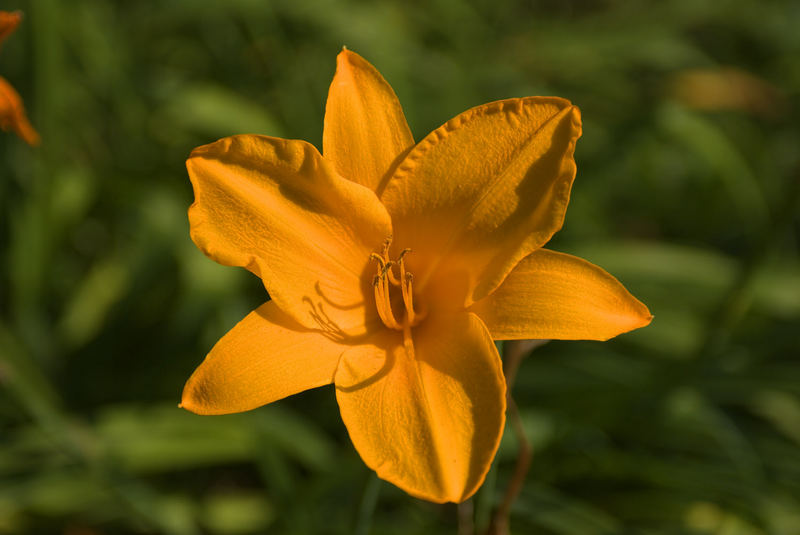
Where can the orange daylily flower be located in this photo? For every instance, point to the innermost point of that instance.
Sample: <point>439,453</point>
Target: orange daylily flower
<point>12,112</point>
<point>392,268</point>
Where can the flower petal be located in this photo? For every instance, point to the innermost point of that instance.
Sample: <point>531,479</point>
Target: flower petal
<point>264,358</point>
<point>276,207</point>
<point>481,192</point>
<point>365,130</point>
<point>9,20</point>
<point>427,416</point>
<point>12,114</point>
<point>552,295</point>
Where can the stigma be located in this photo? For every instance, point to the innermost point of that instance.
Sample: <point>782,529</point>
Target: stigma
<point>385,279</point>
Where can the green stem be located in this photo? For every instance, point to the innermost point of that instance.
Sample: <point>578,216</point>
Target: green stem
<point>484,499</point>
<point>466,518</point>
<point>514,353</point>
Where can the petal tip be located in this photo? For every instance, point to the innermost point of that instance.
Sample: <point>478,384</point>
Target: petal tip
<point>187,405</point>
<point>645,316</point>
<point>572,114</point>
<point>640,318</point>
<point>187,402</point>
<point>195,396</point>
<point>343,55</point>
<point>347,59</point>
<point>202,151</point>
<point>192,400</point>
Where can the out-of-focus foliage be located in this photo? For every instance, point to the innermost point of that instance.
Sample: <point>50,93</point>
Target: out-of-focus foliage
<point>687,191</point>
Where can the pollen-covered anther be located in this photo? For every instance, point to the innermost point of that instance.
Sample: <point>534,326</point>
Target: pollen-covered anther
<point>379,259</point>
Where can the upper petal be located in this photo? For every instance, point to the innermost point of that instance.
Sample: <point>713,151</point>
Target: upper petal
<point>427,416</point>
<point>552,295</point>
<point>484,190</point>
<point>365,130</point>
<point>264,358</point>
<point>276,207</point>
<point>12,114</point>
<point>9,20</point>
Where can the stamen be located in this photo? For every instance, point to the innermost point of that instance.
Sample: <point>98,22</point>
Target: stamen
<point>414,316</point>
<point>379,258</point>
<point>386,276</point>
<point>392,277</point>
<point>390,274</point>
<point>381,287</point>
<point>382,302</point>
<point>385,252</point>
<point>408,297</point>
<point>407,288</point>
<point>402,280</point>
<point>408,342</point>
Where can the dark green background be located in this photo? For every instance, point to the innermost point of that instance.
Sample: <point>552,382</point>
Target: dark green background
<point>691,425</point>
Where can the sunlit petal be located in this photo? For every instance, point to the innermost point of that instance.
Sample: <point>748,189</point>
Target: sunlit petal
<point>484,190</point>
<point>365,130</point>
<point>265,357</point>
<point>276,207</point>
<point>551,295</point>
<point>427,418</point>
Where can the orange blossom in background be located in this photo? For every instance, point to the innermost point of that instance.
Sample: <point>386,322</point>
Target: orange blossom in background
<point>12,112</point>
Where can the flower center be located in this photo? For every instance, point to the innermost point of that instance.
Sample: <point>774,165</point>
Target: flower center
<point>383,282</point>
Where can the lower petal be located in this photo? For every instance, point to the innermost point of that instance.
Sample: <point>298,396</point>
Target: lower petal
<point>264,358</point>
<point>551,295</point>
<point>426,412</point>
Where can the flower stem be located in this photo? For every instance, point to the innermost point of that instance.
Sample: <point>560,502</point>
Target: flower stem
<point>499,525</point>
<point>514,352</point>
<point>466,523</point>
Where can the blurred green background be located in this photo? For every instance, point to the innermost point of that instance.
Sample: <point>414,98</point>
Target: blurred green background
<point>687,191</point>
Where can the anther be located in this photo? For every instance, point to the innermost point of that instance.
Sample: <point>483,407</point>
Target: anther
<point>386,244</point>
<point>379,258</point>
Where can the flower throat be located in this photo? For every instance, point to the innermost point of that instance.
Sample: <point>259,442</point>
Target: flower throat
<point>385,279</point>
